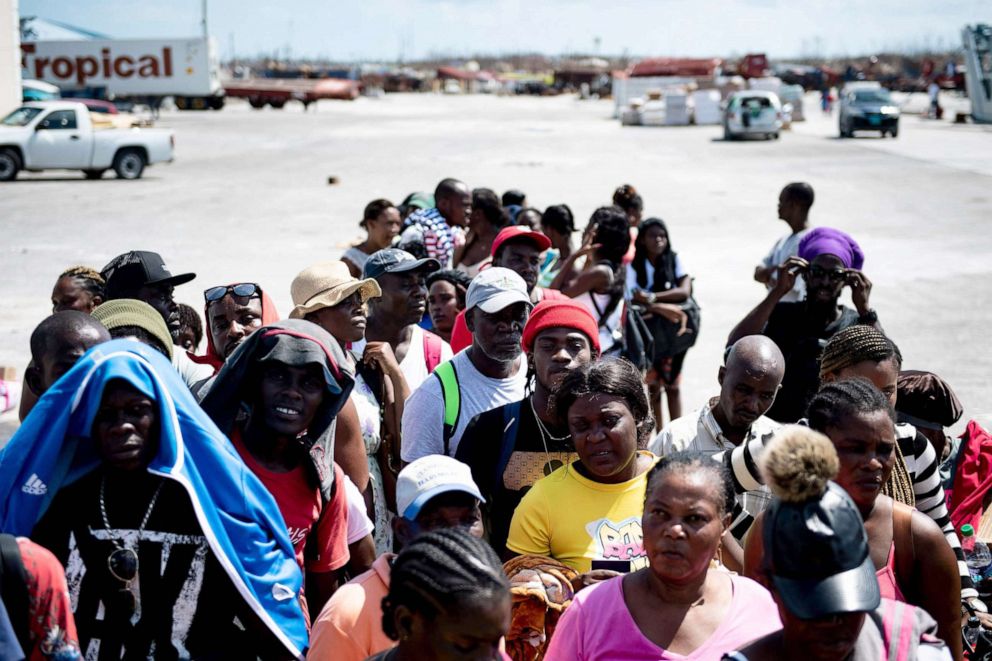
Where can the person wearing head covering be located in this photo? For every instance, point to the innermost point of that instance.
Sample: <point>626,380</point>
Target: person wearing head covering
<point>172,547</point>
<point>142,275</point>
<point>928,403</point>
<point>327,295</point>
<point>513,446</point>
<point>488,374</point>
<point>655,276</point>
<point>233,312</point>
<point>277,398</point>
<point>829,260</point>
<point>810,549</point>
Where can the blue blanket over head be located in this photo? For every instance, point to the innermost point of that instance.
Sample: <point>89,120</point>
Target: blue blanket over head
<point>239,517</point>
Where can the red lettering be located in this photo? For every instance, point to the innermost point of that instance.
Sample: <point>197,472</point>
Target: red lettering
<point>149,67</point>
<point>120,71</point>
<point>167,59</point>
<point>62,67</point>
<point>39,67</point>
<point>105,52</point>
<point>86,67</point>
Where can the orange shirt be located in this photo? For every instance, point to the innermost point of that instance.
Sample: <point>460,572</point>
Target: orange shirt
<point>349,628</point>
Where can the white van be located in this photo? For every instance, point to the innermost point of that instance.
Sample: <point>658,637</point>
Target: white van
<point>752,112</point>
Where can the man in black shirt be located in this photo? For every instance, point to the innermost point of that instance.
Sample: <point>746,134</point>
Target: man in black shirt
<point>513,446</point>
<point>829,260</point>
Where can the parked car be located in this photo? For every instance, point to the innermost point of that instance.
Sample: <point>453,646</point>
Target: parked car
<point>752,112</point>
<point>62,135</point>
<point>867,106</point>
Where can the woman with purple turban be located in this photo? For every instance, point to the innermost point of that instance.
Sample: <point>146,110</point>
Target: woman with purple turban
<point>829,260</point>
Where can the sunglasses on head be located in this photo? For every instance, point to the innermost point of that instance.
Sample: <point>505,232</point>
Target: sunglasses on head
<point>241,290</point>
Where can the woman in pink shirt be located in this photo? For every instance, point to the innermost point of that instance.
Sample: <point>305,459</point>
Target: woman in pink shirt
<point>679,607</point>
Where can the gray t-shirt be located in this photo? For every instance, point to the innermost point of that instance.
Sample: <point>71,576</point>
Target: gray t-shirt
<point>423,414</point>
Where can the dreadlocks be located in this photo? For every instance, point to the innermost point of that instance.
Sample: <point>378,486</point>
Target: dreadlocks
<point>843,399</point>
<point>854,345</point>
<point>88,278</point>
<point>438,569</point>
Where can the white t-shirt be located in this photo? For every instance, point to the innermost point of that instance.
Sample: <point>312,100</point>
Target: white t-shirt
<point>649,272</point>
<point>191,373</point>
<point>611,331</point>
<point>359,523</point>
<point>423,415</point>
<point>414,364</point>
<point>784,248</point>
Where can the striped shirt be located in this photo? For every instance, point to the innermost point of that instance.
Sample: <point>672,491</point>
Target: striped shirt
<point>921,463</point>
<point>429,227</point>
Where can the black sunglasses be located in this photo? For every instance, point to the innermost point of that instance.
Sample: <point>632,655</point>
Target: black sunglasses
<point>241,290</point>
<point>835,275</point>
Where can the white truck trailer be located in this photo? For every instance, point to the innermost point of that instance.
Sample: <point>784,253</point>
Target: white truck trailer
<point>141,70</point>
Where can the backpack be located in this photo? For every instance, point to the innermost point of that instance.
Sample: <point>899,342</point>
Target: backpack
<point>14,588</point>
<point>433,346</point>
<point>447,375</point>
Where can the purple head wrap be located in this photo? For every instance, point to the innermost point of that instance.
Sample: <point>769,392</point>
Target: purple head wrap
<point>828,241</point>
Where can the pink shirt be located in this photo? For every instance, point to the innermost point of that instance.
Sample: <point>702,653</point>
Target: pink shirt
<point>598,626</point>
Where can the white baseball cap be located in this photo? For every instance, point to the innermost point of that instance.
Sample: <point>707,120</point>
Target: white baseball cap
<point>495,289</point>
<point>429,476</point>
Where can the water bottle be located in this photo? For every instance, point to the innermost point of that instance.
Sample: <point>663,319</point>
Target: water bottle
<point>976,553</point>
<point>971,632</point>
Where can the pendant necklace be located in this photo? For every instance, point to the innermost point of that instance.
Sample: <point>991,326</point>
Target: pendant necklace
<point>123,562</point>
<point>550,465</point>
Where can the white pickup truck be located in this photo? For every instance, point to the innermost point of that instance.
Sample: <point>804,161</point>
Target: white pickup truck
<point>61,135</point>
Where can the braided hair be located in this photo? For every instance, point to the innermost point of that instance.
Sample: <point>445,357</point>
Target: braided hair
<point>88,278</point>
<point>840,400</point>
<point>438,569</point>
<point>190,318</point>
<point>854,345</point>
<point>686,463</point>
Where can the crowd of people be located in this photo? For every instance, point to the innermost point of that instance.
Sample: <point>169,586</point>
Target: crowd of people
<point>467,440</point>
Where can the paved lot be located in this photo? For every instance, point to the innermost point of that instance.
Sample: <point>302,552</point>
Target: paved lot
<point>248,198</point>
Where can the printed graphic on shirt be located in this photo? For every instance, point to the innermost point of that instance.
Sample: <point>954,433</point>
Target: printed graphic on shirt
<point>525,468</point>
<point>622,541</point>
<point>112,616</point>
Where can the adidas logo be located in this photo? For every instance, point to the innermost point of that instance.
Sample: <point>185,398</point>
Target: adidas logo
<point>34,486</point>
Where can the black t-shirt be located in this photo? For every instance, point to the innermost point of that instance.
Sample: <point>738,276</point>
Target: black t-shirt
<point>504,486</point>
<point>801,338</point>
<point>186,605</point>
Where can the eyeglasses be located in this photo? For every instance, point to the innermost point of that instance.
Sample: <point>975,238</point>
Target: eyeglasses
<point>241,290</point>
<point>123,565</point>
<point>835,275</point>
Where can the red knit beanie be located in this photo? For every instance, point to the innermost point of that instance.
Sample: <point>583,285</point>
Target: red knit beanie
<point>560,314</point>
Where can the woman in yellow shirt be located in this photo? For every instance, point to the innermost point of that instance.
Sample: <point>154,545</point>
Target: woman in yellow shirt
<point>587,514</point>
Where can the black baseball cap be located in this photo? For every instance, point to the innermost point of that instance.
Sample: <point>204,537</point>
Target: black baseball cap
<point>394,260</point>
<point>139,268</point>
<point>817,551</point>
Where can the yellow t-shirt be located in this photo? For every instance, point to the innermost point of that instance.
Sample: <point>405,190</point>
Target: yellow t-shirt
<point>576,521</point>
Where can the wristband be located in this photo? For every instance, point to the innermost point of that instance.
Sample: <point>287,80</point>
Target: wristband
<point>868,318</point>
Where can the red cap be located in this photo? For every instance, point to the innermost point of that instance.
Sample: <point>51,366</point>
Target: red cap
<point>560,313</point>
<point>514,232</point>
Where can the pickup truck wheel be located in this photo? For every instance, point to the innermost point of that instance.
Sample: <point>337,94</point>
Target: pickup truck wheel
<point>277,104</point>
<point>10,164</point>
<point>256,102</point>
<point>94,174</point>
<point>129,164</point>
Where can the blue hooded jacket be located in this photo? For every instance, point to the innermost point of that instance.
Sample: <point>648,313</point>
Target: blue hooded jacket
<point>239,517</point>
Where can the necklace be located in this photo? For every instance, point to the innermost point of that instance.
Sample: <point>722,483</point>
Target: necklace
<point>123,562</point>
<point>550,465</point>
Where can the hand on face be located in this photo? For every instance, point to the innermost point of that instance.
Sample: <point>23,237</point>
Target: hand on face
<point>860,290</point>
<point>787,273</point>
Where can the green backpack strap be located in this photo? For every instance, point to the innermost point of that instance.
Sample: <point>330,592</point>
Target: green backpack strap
<point>451,395</point>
